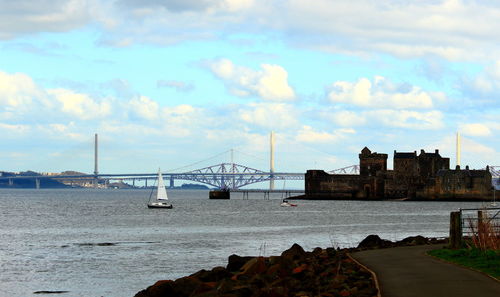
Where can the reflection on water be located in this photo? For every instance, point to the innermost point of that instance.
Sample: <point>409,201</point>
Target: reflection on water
<point>108,243</point>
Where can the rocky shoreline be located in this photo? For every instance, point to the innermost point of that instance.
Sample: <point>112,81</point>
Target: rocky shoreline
<point>326,272</point>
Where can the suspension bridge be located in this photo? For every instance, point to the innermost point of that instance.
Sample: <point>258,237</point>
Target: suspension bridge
<point>230,176</point>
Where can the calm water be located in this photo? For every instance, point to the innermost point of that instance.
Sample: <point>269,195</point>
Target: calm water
<point>57,239</point>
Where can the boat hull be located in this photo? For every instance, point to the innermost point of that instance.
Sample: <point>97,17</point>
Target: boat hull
<point>168,206</point>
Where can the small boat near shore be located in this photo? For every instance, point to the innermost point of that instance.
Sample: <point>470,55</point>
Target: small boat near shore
<point>286,203</point>
<point>160,200</point>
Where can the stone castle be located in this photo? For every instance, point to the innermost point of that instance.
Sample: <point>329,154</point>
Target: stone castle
<point>426,176</point>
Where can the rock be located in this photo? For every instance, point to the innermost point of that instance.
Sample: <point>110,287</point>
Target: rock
<point>321,272</point>
<point>214,275</point>
<point>243,291</point>
<point>185,286</point>
<point>235,262</point>
<point>294,253</point>
<point>415,240</point>
<point>374,241</point>
<point>159,289</point>
<point>254,266</point>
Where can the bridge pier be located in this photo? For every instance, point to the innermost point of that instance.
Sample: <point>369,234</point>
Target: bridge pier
<point>11,182</point>
<point>37,183</point>
<point>171,182</point>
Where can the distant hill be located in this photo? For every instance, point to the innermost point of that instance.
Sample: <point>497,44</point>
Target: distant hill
<point>193,187</point>
<point>29,183</point>
<point>69,172</point>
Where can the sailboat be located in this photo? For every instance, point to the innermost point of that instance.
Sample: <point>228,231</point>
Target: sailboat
<point>161,199</point>
<point>284,201</point>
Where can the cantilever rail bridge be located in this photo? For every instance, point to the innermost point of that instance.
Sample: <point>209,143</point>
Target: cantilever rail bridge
<point>225,175</point>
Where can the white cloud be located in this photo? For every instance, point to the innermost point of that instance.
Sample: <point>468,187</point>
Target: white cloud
<point>453,29</point>
<point>408,119</point>
<point>432,120</point>
<point>380,93</point>
<point>475,154</point>
<point>144,108</point>
<point>308,134</point>
<point>236,5</point>
<point>17,91</point>
<point>270,83</point>
<point>269,115</point>
<point>182,120</point>
<point>485,84</point>
<point>9,129</point>
<point>348,118</point>
<point>475,129</point>
<point>273,83</point>
<point>80,105</point>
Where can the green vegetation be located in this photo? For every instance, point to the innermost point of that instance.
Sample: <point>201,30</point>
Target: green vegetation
<point>485,261</point>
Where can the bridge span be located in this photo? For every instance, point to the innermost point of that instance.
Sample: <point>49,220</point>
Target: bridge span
<point>223,176</point>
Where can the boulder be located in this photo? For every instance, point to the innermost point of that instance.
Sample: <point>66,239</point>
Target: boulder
<point>235,262</point>
<point>373,242</point>
<point>214,275</point>
<point>163,288</point>
<point>415,240</point>
<point>295,252</point>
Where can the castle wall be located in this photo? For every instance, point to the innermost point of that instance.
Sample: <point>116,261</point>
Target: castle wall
<point>423,177</point>
<point>321,185</point>
<point>459,185</point>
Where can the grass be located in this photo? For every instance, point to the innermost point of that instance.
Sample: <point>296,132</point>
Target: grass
<point>485,261</point>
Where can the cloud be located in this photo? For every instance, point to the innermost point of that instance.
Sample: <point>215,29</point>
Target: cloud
<point>17,91</point>
<point>475,129</point>
<point>485,85</point>
<point>380,93</point>
<point>432,120</point>
<point>9,129</point>
<point>269,115</point>
<point>270,83</point>
<point>179,86</point>
<point>308,134</point>
<point>475,154</point>
<point>183,120</point>
<point>80,105</point>
<point>408,119</point>
<point>144,108</point>
<point>346,118</point>
<point>180,6</point>
<point>27,17</point>
<point>450,29</point>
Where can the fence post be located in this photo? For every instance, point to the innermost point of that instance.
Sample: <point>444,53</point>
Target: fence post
<point>455,230</point>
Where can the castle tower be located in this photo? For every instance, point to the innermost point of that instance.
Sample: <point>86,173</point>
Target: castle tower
<point>370,163</point>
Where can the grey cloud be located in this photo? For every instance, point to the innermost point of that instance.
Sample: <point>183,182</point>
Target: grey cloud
<point>27,17</point>
<point>171,5</point>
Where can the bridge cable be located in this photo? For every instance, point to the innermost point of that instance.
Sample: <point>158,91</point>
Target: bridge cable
<point>196,163</point>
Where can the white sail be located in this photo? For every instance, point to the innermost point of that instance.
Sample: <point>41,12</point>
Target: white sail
<point>161,193</point>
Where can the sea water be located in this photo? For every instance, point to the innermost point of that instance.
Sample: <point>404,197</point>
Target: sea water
<point>108,243</point>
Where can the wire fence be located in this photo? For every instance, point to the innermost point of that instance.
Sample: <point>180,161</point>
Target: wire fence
<point>472,218</point>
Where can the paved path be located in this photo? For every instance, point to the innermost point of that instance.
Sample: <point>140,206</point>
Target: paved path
<point>408,272</point>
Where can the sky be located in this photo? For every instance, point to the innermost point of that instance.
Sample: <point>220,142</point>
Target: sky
<point>180,84</point>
